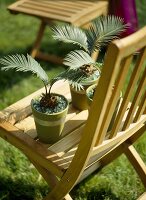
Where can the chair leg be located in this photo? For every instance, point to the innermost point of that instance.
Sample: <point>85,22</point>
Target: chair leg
<point>136,161</point>
<point>40,55</point>
<point>67,197</point>
<point>38,39</point>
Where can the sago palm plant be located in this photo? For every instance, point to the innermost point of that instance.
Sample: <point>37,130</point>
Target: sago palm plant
<point>28,64</point>
<point>49,109</point>
<point>80,62</point>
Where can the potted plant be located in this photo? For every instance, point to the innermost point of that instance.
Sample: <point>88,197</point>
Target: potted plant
<point>49,109</point>
<point>83,69</point>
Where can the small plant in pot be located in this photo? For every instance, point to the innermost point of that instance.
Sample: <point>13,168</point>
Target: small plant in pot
<point>49,109</point>
<point>83,69</point>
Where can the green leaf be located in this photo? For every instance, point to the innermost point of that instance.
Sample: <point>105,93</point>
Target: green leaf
<point>74,77</point>
<point>71,34</point>
<point>103,30</point>
<point>77,58</point>
<point>24,64</point>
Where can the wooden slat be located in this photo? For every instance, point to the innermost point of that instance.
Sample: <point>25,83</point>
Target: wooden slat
<point>63,4</point>
<point>136,161</point>
<point>138,95</point>
<point>57,6</point>
<point>67,142</point>
<point>142,197</point>
<point>113,99</point>
<point>28,126</point>
<point>96,8</point>
<point>45,10</point>
<point>41,14</point>
<point>129,91</point>
<point>75,122</point>
<point>141,108</point>
<point>121,136</point>
<point>85,19</point>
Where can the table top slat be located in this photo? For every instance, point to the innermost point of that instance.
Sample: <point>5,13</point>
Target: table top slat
<point>65,11</point>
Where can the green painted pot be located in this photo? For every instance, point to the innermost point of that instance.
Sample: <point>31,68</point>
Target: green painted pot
<point>79,99</point>
<point>49,126</point>
<point>90,99</point>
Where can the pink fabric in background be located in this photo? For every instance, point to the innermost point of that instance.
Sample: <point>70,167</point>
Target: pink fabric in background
<point>127,10</point>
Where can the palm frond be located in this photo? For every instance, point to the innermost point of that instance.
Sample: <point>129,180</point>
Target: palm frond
<point>71,34</point>
<point>103,30</point>
<point>24,64</point>
<point>77,58</point>
<point>74,78</point>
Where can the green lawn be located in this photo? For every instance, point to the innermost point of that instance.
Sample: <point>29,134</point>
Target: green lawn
<point>18,178</point>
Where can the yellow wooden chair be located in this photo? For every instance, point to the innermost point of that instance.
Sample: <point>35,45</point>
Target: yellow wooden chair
<point>78,13</point>
<point>87,145</point>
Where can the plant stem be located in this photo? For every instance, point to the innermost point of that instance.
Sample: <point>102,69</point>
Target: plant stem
<point>50,90</point>
<point>45,88</point>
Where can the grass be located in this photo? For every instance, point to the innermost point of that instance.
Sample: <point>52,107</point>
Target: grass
<point>18,178</point>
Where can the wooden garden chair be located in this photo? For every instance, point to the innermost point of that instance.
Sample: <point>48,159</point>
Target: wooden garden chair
<point>87,145</point>
<point>76,12</point>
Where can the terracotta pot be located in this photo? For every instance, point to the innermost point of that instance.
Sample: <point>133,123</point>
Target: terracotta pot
<point>49,126</point>
<point>79,99</point>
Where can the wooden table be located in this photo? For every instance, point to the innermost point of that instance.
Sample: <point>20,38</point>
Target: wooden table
<point>77,13</point>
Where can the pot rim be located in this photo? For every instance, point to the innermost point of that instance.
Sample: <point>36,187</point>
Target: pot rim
<point>94,86</point>
<point>90,88</point>
<point>52,114</point>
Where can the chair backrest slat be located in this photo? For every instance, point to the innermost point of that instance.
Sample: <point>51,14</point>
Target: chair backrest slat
<point>141,109</point>
<point>136,100</point>
<point>113,100</point>
<point>129,91</point>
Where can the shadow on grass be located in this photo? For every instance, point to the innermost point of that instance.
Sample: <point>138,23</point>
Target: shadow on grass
<point>96,194</point>
<point>19,189</point>
<point>101,194</point>
<point>16,190</point>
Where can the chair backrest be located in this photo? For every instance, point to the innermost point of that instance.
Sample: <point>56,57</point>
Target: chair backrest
<point>122,71</point>
<point>125,72</point>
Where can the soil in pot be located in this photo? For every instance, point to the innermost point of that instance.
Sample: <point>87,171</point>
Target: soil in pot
<point>50,122</point>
